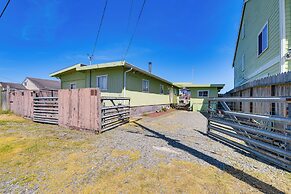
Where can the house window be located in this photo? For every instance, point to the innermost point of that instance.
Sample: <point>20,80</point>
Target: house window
<point>243,63</point>
<point>73,86</point>
<point>101,82</point>
<point>251,92</point>
<point>145,85</point>
<point>161,89</point>
<point>263,40</point>
<point>203,93</point>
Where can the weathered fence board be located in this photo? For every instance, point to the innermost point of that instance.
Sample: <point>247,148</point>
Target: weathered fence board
<point>80,108</point>
<point>21,103</point>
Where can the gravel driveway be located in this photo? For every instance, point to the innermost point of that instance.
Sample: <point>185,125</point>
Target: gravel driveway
<point>181,135</point>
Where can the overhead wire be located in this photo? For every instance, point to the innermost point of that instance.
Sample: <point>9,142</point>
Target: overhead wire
<point>134,32</point>
<point>98,31</point>
<point>7,3</point>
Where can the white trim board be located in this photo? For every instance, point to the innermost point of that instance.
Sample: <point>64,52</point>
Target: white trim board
<point>282,34</point>
<point>264,67</point>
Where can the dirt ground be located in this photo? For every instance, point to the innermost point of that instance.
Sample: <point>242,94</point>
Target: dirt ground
<point>167,153</point>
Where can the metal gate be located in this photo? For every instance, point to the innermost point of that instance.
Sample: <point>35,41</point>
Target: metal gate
<point>115,111</point>
<point>45,110</point>
<point>267,136</point>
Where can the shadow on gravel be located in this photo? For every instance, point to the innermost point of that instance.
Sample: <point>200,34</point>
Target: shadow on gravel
<point>250,180</point>
<point>238,149</point>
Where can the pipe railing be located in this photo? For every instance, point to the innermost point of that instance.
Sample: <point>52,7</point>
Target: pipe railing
<point>266,136</point>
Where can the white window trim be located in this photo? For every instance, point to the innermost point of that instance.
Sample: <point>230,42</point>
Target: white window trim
<point>106,80</point>
<point>148,86</point>
<point>266,24</point>
<point>73,83</point>
<point>202,91</point>
<point>162,86</point>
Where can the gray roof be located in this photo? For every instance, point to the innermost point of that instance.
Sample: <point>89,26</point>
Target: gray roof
<point>15,86</point>
<point>45,84</point>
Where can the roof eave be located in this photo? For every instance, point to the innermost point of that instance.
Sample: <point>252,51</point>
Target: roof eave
<point>237,39</point>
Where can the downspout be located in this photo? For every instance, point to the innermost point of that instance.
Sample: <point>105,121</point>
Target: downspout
<point>282,35</point>
<point>90,82</point>
<point>124,81</point>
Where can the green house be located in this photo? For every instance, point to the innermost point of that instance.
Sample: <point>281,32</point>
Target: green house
<point>200,93</point>
<point>263,46</point>
<point>121,79</point>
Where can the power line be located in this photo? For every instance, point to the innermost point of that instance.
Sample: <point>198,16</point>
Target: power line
<point>98,32</point>
<point>135,29</point>
<point>4,8</point>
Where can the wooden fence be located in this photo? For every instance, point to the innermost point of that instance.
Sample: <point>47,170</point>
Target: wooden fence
<point>21,103</point>
<point>80,109</point>
<point>77,108</point>
<point>115,112</point>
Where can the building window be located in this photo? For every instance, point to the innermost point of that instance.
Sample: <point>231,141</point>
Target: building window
<point>145,85</point>
<point>251,92</point>
<point>203,93</point>
<point>73,86</point>
<point>240,106</point>
<point>263,40</point>
<point>101,82</point>
<point>161,89</point>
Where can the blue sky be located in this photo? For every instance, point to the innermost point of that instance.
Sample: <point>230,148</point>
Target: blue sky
<point>187,41</point>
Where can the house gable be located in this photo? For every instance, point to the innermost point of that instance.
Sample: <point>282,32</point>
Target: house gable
<point>257,14</point>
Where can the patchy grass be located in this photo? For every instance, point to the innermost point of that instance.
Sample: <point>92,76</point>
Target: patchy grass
<point>51,159</point>
<point>8,117</point>
<point>174,177</point>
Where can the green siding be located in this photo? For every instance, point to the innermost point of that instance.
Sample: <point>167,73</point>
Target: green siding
<point>79,78</point>
<point>134,83</point>
<point>153,97</point>
<point>114,79</point>
<point>257,13</point>
<point>198,103</point>
<point>115,85</point>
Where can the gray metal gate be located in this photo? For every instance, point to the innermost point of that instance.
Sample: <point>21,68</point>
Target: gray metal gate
<point>115,111</point>
<point>265,135</point>
<point>45,110</point>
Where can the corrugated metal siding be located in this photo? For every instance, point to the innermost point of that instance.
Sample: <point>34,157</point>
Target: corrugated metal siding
<point>257,13</point>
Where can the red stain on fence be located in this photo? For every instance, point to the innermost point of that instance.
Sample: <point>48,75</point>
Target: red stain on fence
<point>80,108</point>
